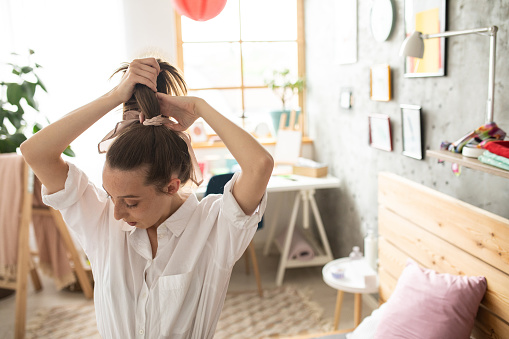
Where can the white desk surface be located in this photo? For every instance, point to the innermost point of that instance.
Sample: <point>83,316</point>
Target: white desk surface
<point>353,281</point>
<point>291,182</point>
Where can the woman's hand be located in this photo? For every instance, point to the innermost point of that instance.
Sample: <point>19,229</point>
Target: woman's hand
<point>180,108</point>
<point>140,71</point>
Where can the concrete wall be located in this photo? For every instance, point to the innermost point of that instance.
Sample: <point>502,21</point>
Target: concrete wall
<point>451,105</point>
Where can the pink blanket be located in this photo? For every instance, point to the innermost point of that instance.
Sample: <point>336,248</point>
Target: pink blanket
<point>53,258</point>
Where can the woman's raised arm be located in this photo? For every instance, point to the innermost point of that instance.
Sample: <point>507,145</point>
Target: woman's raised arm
<point>43,150</point>
<point>256,162</point>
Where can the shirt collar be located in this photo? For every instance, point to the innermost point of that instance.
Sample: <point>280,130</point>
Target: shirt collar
<point>177,222</point>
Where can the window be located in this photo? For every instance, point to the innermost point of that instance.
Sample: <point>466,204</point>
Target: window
<point>227,59</point>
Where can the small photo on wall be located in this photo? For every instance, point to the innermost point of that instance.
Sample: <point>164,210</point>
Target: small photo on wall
<point>380,132</point>
<point>380,76</point>
<point>197,132</point>
<point>411,131</point>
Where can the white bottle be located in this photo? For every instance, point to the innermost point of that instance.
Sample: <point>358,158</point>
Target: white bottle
<point>371,249</point>
<point>356,253</point>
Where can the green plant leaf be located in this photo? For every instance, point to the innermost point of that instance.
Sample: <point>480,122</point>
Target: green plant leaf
<point>37,65</point>
<point>69,152</point>
<point>14,93</point>
<point>31,51</point>
<point>37,128</point>
<point>15,118</point>
<point>29,92</point>
<point>26,69</point>
<point>11,143</point>
<point>39,82</point>
<point>15,71</point>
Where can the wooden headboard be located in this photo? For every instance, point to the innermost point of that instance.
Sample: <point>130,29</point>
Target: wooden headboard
<point>448,236</point>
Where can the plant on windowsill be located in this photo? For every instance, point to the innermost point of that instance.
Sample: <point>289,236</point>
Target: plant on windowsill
<point>17,99</point>
<point>284,87</point>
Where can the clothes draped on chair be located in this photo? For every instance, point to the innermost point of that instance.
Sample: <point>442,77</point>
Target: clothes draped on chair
<point>53,259</point>
<point>11,183</point>
<point>52,252</point>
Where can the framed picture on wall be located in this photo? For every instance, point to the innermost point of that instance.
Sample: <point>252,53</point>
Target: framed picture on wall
<point>380,78</point>
<point>411,131</point>
<point>428,17</point>
<point>380,132</point>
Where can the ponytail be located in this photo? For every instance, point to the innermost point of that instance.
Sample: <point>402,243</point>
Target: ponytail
<point>162,152</point>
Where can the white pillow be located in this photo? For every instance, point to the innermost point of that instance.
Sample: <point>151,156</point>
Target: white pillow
<point>366,329</point>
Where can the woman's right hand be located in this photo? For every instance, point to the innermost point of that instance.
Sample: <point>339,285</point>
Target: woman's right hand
<point>140,71</point>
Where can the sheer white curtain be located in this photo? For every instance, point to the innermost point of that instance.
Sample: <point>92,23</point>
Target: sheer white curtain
<point>79,44</point>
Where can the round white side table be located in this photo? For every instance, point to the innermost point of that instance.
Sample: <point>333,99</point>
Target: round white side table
<point>359,278</point>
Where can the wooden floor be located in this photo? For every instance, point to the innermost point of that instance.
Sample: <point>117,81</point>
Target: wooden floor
<point>311,278</point>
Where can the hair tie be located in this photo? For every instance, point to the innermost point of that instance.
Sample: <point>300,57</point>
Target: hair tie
<point>132,117</point>
<point>156,121</point>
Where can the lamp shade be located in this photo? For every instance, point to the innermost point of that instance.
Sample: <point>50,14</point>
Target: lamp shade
<point>413,46</point>
<point>199,10</point>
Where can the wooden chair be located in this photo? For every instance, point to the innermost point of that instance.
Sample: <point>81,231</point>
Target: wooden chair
<point>216,186</point>
<point>25,264</point>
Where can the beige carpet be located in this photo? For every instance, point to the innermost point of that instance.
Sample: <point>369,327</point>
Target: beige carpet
<point>281,312</point>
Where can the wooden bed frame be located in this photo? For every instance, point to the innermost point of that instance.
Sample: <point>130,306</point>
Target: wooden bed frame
<point>448,236</point>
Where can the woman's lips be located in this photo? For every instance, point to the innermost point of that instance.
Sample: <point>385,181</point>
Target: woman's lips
<point>132,223</point>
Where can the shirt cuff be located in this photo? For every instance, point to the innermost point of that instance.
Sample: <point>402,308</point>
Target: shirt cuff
<point>238,217</point>
<point>75,185</point>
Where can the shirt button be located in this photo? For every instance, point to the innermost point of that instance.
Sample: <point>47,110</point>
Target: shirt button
<point>142,331</point>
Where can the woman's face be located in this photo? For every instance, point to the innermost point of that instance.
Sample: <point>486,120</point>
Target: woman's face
<point>137,204</point>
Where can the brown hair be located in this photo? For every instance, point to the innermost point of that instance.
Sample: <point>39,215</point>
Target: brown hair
<point>161,150</point>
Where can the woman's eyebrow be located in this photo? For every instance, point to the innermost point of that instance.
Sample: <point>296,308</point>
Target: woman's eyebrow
<point>123,196</point>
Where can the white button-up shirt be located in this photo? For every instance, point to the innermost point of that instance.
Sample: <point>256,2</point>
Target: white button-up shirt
<point>179,293</point>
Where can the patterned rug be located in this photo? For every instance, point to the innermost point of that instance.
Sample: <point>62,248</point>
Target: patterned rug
<point>283,311</point>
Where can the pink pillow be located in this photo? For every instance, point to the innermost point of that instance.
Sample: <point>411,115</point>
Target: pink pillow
<point>427,304</point>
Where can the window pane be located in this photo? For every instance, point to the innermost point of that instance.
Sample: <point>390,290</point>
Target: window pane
<point>262,58</point>
<point>226,101</point>
<point>263,100</point>
<point>224,27</point>
<point>268,20</point>
<point>212,64</point>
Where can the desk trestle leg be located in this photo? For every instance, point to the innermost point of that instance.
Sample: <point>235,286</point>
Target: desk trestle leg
<point>307,197</point>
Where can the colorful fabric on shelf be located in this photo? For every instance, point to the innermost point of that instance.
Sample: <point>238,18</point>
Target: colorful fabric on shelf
<point>499,148</point>
<point>495,160</point>
<point>479,137</point>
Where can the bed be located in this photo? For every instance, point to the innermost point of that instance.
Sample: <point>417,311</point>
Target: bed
<point>448,236</point>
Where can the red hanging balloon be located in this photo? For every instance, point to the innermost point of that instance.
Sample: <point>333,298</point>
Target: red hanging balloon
<point>199,10</point>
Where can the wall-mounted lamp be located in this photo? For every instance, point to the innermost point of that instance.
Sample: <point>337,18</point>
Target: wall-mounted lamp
<point>413,46</point>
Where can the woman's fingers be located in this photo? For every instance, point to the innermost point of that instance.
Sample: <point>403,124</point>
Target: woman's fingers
<point>140,74</point>
<point>151,62</point>
<point>147,68</point>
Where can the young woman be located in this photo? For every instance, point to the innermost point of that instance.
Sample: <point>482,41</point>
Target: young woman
<point>161,260</point>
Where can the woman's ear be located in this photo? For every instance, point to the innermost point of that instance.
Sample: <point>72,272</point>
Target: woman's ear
<point>173,186</point>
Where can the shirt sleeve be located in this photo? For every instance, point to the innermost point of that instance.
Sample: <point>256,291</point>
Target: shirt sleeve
<point>83,208</point>
<point>237,228</point>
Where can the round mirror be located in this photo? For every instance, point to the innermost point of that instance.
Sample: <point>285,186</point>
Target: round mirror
<point>382,19</point>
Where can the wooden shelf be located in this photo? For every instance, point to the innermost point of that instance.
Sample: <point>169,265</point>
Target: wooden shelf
<point>467,162</point>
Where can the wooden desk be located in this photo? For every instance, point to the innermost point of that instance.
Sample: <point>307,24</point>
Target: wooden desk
<point>305,188</point>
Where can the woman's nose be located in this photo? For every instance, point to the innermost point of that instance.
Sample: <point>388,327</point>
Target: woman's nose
<point>119,212</point>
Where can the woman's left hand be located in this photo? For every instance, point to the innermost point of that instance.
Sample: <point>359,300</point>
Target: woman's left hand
<point>181,108</point>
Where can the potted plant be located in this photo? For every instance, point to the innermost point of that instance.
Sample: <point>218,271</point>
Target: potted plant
<point>17,98</point>
<point>285,87</point>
